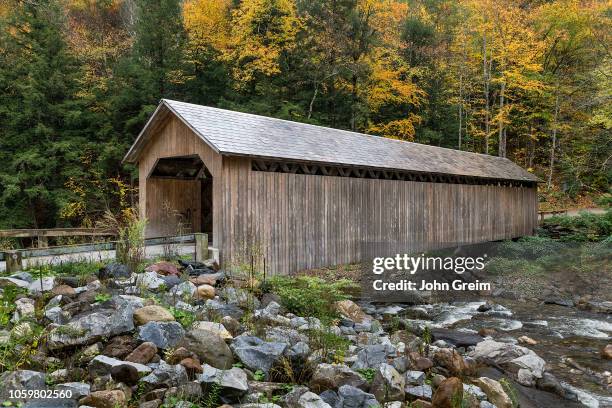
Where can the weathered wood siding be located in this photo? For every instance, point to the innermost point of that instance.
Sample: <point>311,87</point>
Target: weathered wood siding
<point>305,221</point>
<point>171,140</point>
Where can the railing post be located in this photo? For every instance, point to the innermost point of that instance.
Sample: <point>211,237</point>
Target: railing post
<point>42,241</point>
<point>201,246</point>
<point>13,261</point>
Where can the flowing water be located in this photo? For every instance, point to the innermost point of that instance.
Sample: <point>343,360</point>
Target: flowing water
<point>569,340</point>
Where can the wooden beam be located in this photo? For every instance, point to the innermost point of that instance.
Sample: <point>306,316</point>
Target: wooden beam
<point>54,232</point>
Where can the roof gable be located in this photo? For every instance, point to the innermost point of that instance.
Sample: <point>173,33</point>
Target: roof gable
<point>243,134</point>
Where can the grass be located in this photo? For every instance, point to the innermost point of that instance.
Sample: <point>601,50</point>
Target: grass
<point>310,296</point>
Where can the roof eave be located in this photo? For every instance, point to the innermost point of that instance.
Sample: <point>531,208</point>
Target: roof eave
<point>133,154</point>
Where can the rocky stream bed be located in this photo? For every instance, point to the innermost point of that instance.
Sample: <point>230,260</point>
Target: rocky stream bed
<point>157,339</point>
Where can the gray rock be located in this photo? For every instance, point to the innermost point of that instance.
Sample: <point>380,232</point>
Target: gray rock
<point>51,403</point>
<point>224,309</point>
<point>209,347</point>
<point>298,321</point>
<point>103,365</point>
<point>20,380</point>
<point>291,399</point>
<point>553,300</point>
<point>475,391</point>
<point>419,391</point>
<point>311,400</point>
<point>24,276</point>
<point>185,289</point>
<point>549,383</point>
<point>455,337</point>
<point>170,280</point>
<point>364,326</point>
<point>401,364</point>
<point>24,307</point>
<point>5,281</point>
<point>110,319</point>
<point>329,396</point>
<point>191,390</point>
<point>486,404</point>
<point>42,285</point>
<point>233,382</point>
<point>333,376</point>
<point>149,280</point>
<point>164,335</point>
<point>258,405</point>
<point>415,377</point>
<point>78,389</point>
<point>298,352</point>
<point>166,375</point>
<point>57,315</point>
<point>372,356</point>
<point>285,335</point>
<point>257,354</point>
<point>524,363</point>
<point>114,271</point>
<point>351,397</point>
<point>388,384</point>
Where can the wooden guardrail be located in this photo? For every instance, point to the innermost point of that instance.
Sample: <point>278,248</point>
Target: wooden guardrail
<point>14,258</point>
<point>43,234</point>
<point>543,214</point>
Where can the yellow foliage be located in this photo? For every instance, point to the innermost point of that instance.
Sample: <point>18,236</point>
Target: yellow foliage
<point>261,31</point>
<point>402,129</point>
<point>207,23</point>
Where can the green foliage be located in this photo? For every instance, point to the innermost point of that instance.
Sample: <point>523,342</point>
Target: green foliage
<point>367,373</point>
<point>7,303</point>
<point>585,227</point>
<point>259,375</point>
<point>510,391</point>
<point>25,339</point>
<point>605,200</point>
<point>71,268</point>
<point>530,247</point>
<point>310,296</point>
<point>185,318</point>
<point>78,83</point>
<point>333,347</point>
<point>103,297</point>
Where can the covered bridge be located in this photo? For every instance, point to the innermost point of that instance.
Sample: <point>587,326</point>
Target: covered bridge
<point>305,196</point>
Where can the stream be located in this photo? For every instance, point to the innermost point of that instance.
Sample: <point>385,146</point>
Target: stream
<point>569,339</point>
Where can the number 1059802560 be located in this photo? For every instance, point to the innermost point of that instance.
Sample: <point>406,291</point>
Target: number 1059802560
<point>39,394</point>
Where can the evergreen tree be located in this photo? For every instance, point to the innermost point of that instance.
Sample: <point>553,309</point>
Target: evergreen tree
<point>40,116</point>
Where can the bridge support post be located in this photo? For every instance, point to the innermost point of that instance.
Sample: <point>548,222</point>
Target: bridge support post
<point>201,246</point>
<point>14,261</point>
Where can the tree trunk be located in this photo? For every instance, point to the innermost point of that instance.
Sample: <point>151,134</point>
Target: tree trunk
<point>460,108</point>
<point>553,144</point>
<point>486,92</point>
<point>502,140</point>
<point>312,101</point>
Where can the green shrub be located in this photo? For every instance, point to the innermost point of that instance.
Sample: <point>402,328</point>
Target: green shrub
<point>530,247</point>
<point>500,266</point>
<point>310,296</point>
<point>584,227</point>
<point>605,200</point>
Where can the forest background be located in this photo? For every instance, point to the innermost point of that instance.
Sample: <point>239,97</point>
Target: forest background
<point>527,79</point>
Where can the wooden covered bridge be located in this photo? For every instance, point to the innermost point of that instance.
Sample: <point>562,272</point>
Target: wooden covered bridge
<point>308,196</point>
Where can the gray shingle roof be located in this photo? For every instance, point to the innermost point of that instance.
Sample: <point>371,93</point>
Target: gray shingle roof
<point>244,134</point>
